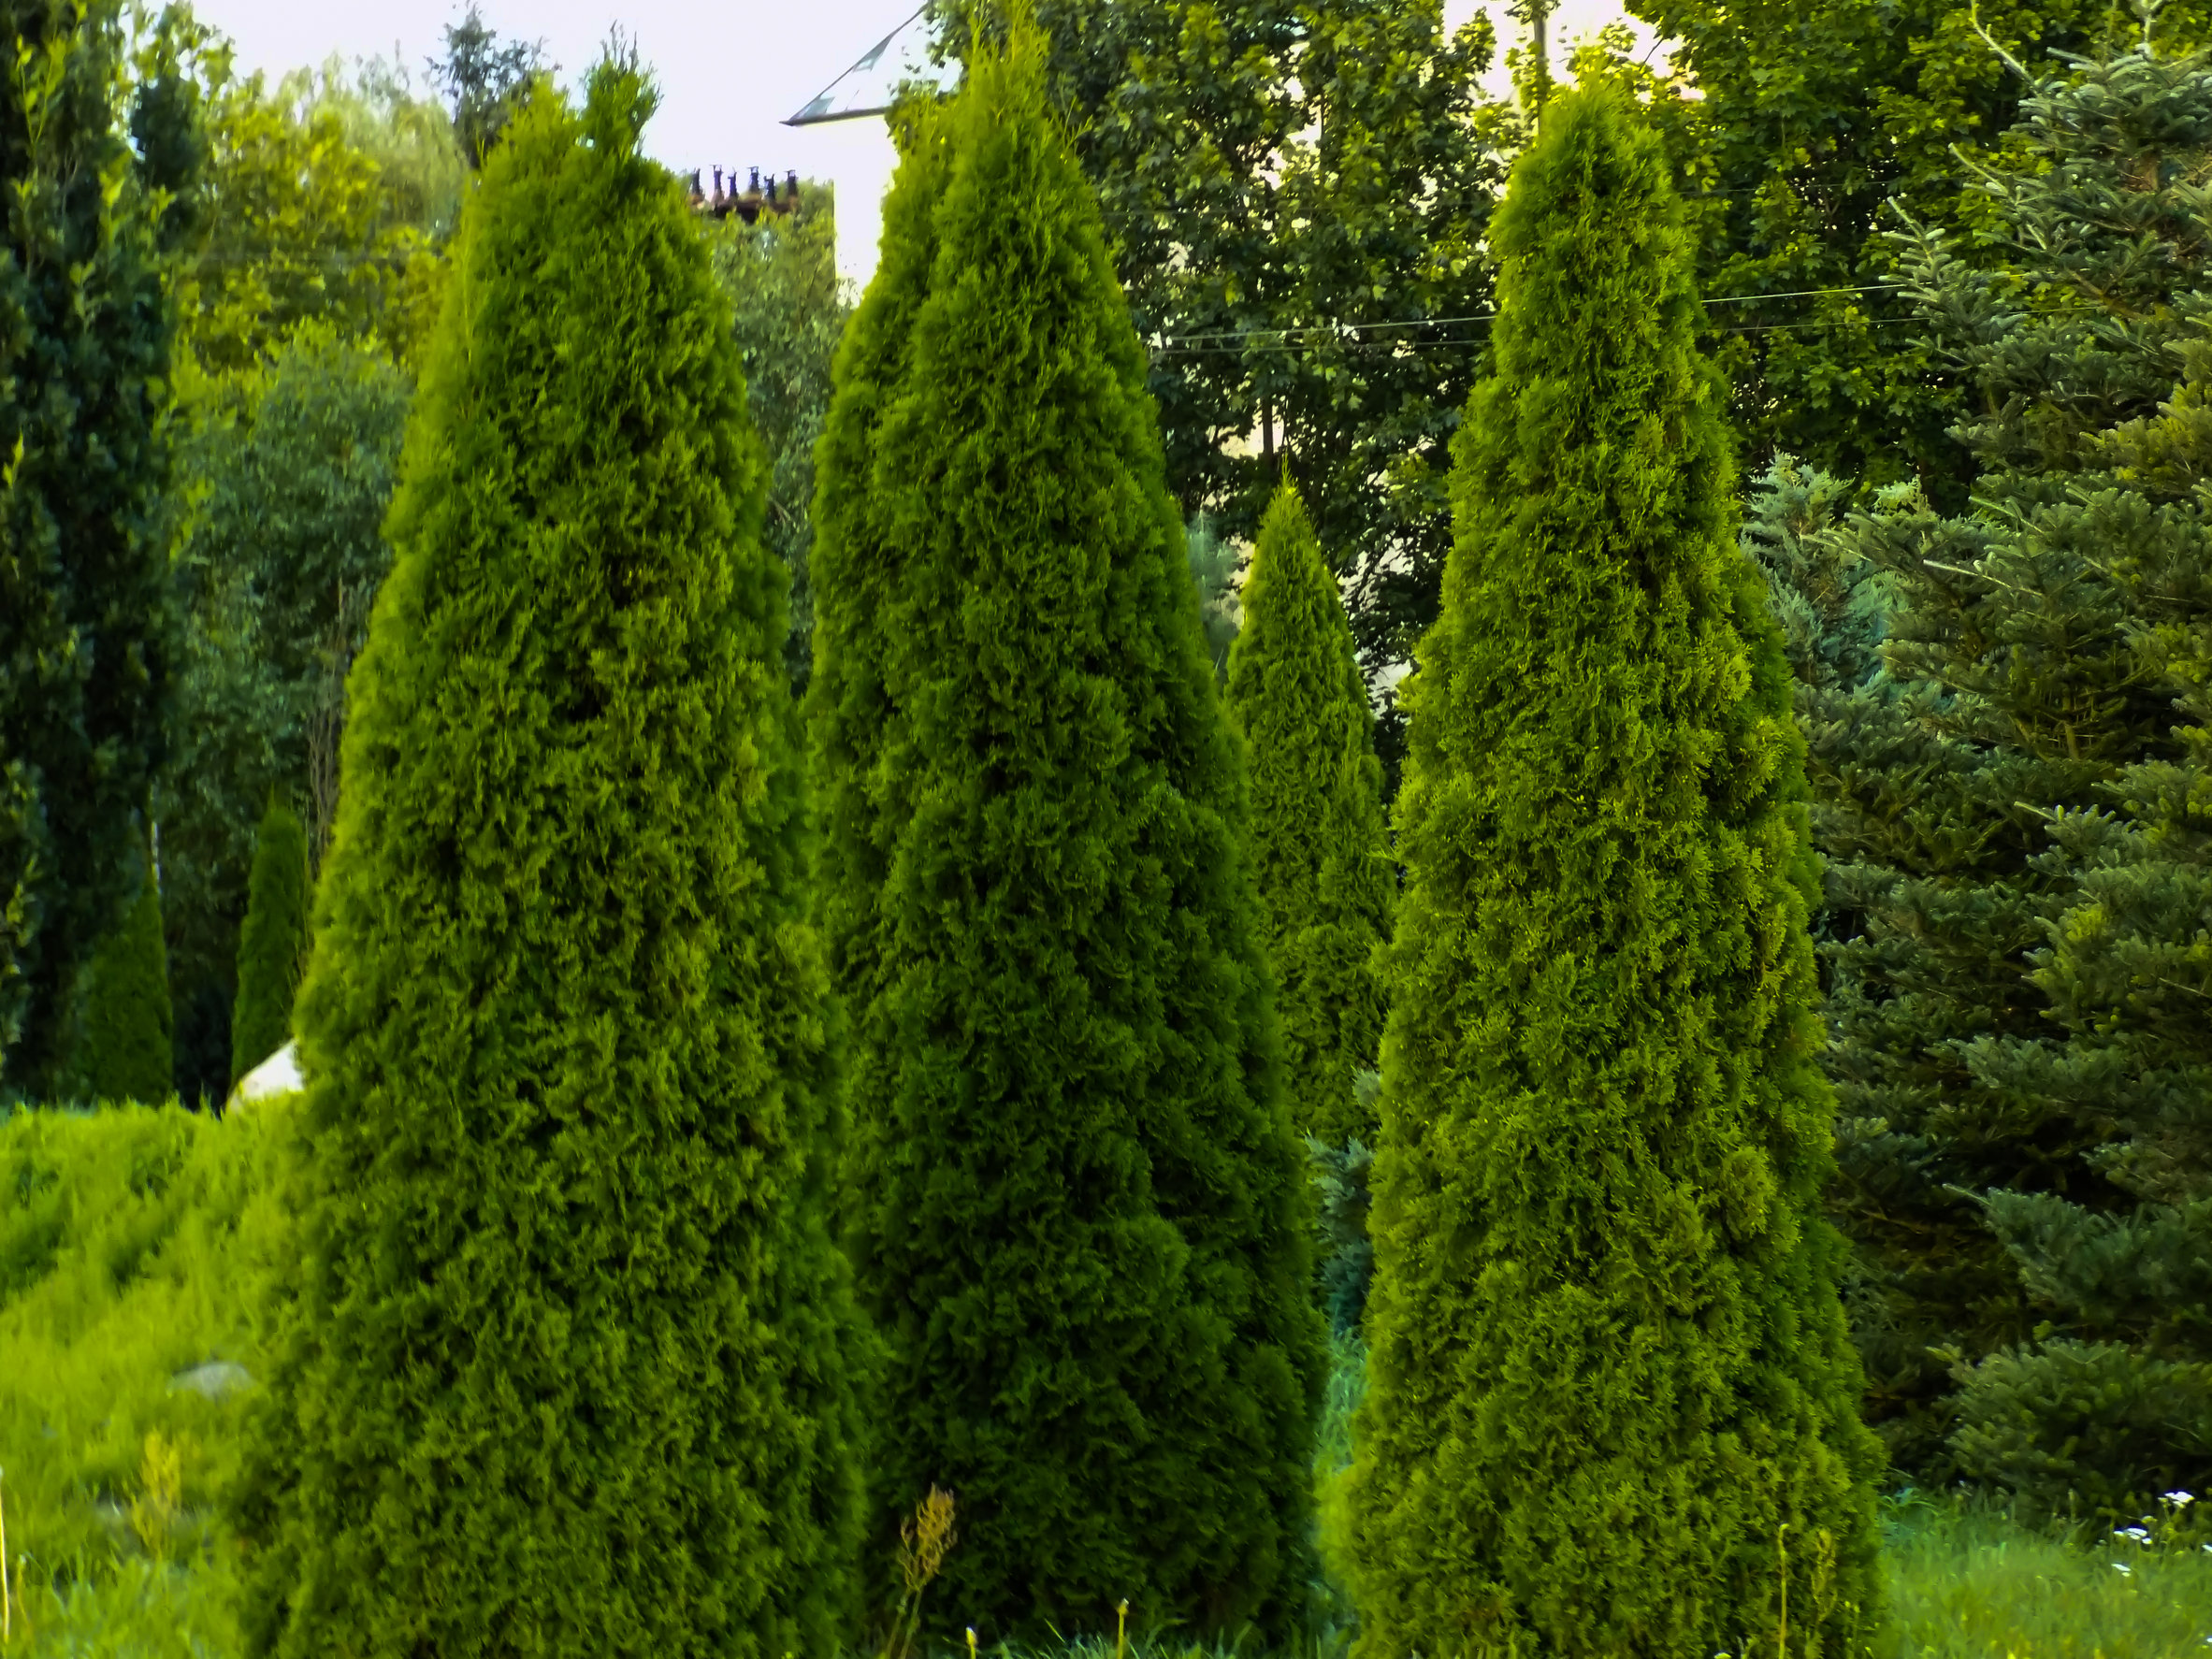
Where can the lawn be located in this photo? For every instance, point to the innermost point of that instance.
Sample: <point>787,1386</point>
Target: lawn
<point>129,1254</point>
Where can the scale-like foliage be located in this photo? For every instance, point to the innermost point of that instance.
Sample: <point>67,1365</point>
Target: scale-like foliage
<point>1078,1208</point>
<point>272,944</point>
<point>1609,1362</point>
<point>125,1043</point>
<point>571,1362</point>
<point>1319,847</point>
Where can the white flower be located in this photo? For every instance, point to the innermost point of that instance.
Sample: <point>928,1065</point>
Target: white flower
<point>2180,1497</point>
<point>2122,1567</point>
<point>2133,1532</point>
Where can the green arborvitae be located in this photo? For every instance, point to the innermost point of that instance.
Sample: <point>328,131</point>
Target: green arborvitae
<point>125,1045</point>
<point>1608,1361</point>
<point>272,944</point>
<point>1320,849</point>
<point>101,155</point>
<point>2016,694</point>
<point>573,1364</point>
<point>1078,1209</point>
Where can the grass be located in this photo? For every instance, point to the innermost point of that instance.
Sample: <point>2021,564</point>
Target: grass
<point>130,1244</point>
<point>1967,1581</point>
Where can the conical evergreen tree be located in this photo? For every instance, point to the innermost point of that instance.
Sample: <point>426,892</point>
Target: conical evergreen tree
<point>272,944</point>
<point>1609,1364</point>
<point>2016,694</point>
<point>572,1364</point>
<point>1078,1211</point>
<point>1319,845</point>
<point>126,1038</point>
<point>2112,1407</point>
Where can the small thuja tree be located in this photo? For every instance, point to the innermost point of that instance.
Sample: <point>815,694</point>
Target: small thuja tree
<point>1612,1402</point>
<point>1077,1207</point>
<point>272,944</point>
<point>126,1044</point>
<point>1319,847</point>
<point>571,1362</point>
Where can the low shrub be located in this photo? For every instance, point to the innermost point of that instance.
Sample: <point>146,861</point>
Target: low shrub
<point>2090,1430</point>
<point>131,1242</point>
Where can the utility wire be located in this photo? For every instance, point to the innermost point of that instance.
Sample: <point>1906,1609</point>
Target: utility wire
<point>1177,341</point>
<point>1451,341</point>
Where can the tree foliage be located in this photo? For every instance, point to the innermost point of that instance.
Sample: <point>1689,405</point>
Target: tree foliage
<point>571,1364</point>
<point>2118,1410</point>
<point>487,80</point>
<point>1295,197</point>
<point>2014,692</point>
<point>1814,121</point>
<point>124,1044</point>
<point>100,145</point>
<point>781,275</point>
<point>1609,1362</point>
<point>1319,847</point>
<point>272,944</point>
<point>290,468</point>
<point>1077,1214</point>
<point>327,198</point>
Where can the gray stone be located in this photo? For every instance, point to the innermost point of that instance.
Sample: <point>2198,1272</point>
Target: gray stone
<point>214,1381</point>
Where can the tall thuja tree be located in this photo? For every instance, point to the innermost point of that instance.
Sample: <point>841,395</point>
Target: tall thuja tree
<point>2118,1410</point>
<point>124,1047</point>
<point>2009,654</point>
<point>1319,847</point>
<point>272,942</point>
<point>1295,192</point>
<point>1609,1365</point>
<point>1078,1209</point>
<point>100,148</point>
<point>571,1360</point>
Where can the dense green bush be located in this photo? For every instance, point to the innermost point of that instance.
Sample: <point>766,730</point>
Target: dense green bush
<point>1079,1212</point>
<point>124,1047</point>
<point>134,1246</point>
<point>272,946</point>
<point>2090,1429</point>
<point>1609,1364</point>
<point>1319,850</point>
<point>571,1361</point>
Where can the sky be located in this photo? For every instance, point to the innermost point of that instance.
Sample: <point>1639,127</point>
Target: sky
<point>729,72</point>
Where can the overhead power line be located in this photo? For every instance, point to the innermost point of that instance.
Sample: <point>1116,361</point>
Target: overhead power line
<point>1179,341</point>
